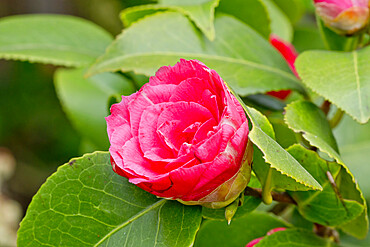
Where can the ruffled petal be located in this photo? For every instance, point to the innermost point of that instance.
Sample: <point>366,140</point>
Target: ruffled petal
<point>147,96</point>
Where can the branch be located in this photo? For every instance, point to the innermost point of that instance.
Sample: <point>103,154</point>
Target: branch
<point>276,196</point>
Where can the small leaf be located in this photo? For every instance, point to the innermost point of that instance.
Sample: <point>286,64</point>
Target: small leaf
<point>53,39</point>
<point>295,238</point>
<point>86,204</point>
<point>251,12</point>
<point>240,55</point>
<point>201,12</point>
<point>347,84</point>
<point>85,101</point>
<point>327,207</point>
<point>239,232</point>
<point>312,133</point>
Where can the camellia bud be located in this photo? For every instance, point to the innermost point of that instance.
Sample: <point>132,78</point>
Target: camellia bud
<point>344,16</point>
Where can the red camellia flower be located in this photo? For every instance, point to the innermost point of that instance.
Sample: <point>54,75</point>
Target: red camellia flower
<point>183,136</point>
<point>288,52</point>
<point>344,16</point>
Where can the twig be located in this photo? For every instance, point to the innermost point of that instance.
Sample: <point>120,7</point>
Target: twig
<point>276,196</point>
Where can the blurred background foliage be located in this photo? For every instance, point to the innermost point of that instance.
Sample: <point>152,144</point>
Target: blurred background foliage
<point>36,136</point>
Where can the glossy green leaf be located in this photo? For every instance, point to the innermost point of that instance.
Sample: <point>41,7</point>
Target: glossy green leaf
<point>241,231</point>
<point>313,133</point>
<point>286,172</point>
<point>277,157</point>
<point>250,203</point>
<point>251,12</point>
<point>280,24</point>
<point>343,78</point>
<point>202,13</point>
<point>307,118</point>
<point>240,55</point>
<point>85,101</point>
<point>86,204</point>
<point>54,39</point>
<point>295,238</point>
<point>279,180</point>
<point>327,207</point>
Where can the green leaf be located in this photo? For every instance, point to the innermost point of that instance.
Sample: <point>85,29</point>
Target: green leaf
<point>295,238</point>
<point>251,12</point>
<point>287,173</point>
<point>278,180</point>
<point>239,232</point>
<point>326,207</point>
<point>307,118</point>
<point>53,39</point>
<point>347,84</point>
<point>280,160</point>
<point>202,13</point>
<point>85,101</point>
<point>294,9</point>
<point>307,38</point>
<point>307,113</point>
<point>280,24</point>
<point>250,203</point>
<point>240,55</point>
<point>86,204</point>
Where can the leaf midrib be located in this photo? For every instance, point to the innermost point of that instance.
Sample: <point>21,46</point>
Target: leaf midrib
<point>205,56</point>
<point>355,65</point>
<point>132,219</point>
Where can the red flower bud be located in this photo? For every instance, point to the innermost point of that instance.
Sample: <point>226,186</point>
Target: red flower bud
<point>288,52</point>
<point>344,16</point>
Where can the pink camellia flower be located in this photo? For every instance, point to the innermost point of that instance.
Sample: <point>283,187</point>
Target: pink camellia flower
<point>288,52</point>
<point>257,240</point>
<point>344,16</point>
<point>183,136</point>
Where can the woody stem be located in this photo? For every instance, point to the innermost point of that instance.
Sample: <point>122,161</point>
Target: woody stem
<point>276,196</point>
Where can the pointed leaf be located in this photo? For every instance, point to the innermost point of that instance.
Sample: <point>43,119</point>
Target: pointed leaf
<point>262,135</point>
<point>54,39</point>
<point>240,55</point>
<point>308,115</point>
<point>327,207</point>
<point>86,204</point>
<point>347,85</point>
<point>85,101</point>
